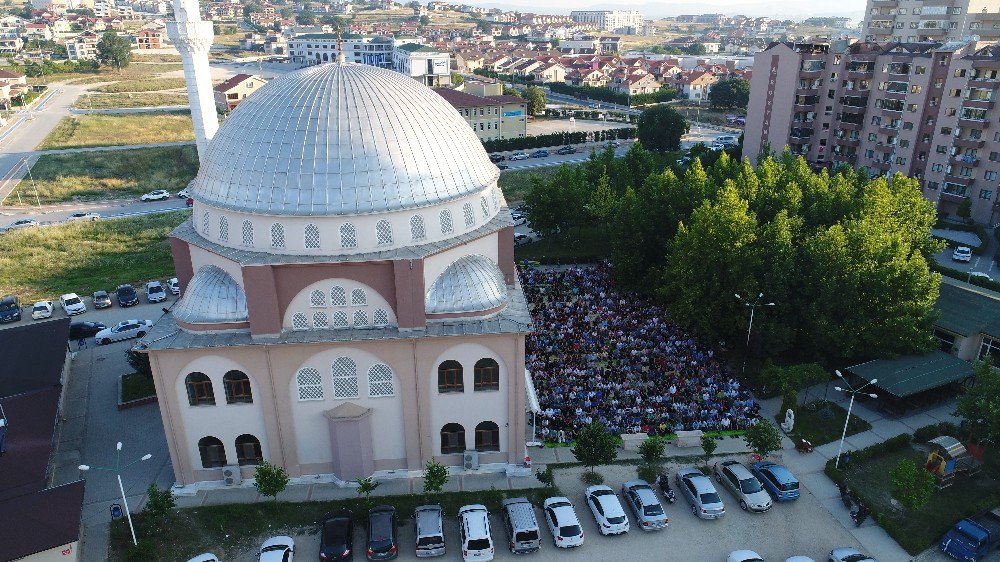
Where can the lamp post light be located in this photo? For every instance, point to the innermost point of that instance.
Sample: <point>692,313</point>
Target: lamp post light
<point>853,392</point>
<point>753,305</point>
<point>117,469</point>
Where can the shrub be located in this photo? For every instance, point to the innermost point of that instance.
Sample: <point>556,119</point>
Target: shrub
<point>651,449</point>
<point>648,472</point>
<point>159,502</point>
<point>928,432</point>
<point>546,477</point>
<point>911,484</point>
<point>270,480</point>
<point>592,478</point>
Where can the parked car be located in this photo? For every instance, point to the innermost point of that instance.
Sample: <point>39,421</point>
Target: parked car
<point>10,309</point>
<point>519,156</point>
<point>743,485</point>
<point>563,522</point>
<point>41,310</point>
<point>607,510</point>
<point>102,299</point>
<point>700,493</point>
<point>21,223</point>
<point>744,556</point>
<point>518,517</point>
<point>849,554</point>
<point>540,153</point>
<point>277,549</point>
<point>83,216</point>
<point>155,292</point>
<point>962,253</point>
<point>336,540</point>
<point>974,537</point>
<point>127,295</point>
<point>799,559</point>
<point>124,330</point>
<point>382,533</point>
<point>613,144</point>
<point>518,218</point>
<point>495,158</point>
<point>474,531</point>
<point>158,195</point>
<point>503,167</point>
<point>727,140</point>
<point>648,510</point>
<point>521,239</point>
<point>174,286</point>
<point>430,531</point>
<point>567,150</point>
<point>777,480</point>
<point>72,304</point>
<point>980,275</point>
<point>79,330</point>
<point>183,194</point>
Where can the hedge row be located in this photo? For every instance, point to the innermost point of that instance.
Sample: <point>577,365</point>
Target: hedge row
<point>611,96</point>
<point>963,276</point>
<point>558,139</point>
<point>928,432</point>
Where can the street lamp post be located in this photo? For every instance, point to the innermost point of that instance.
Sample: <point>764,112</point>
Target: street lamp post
<point>853,392</point>
<point>753,305</point>
<point>117,469</point>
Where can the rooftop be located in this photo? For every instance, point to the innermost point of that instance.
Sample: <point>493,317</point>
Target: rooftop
<point>33,356</point>
<point>967,310</point>
<point>912,374</point>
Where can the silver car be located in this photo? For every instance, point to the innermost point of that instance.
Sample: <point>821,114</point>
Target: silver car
<point>738,479</point>
<point>648,510</point>
<point>700,493</point>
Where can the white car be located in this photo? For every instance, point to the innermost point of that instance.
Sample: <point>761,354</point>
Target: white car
<point>21,223</point>
<point>41,310</point>
<point>799,559</point>
<point>563,523</point>
<point>848,554</point>
<point>962,253</point>
<point>174,285</point>
<point>183,194</point>
<point>521,239</point>
<point>155,292</point>
<point>980,275</point>
<point>277,549</point>
<point>744,556</point>
<point>72,304</point>
<point>83,216</point>
<point>519,156</point>
<point>607,510</point>
<point>124,330</point>
<point>158,195</point>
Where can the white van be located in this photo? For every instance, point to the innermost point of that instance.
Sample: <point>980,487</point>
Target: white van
<point>474,527</point>
<point>727,140</point>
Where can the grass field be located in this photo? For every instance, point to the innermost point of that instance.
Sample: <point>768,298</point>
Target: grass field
<point>149,85</point>
<point>515,183</point>
<point>823,424</point>
<point>115,174</point>
<point>134,71</point>
<point>125,100</point>
<point>158,57</point>
<point>82,257</point>
<point>119,130</point>
<point>136,386</point>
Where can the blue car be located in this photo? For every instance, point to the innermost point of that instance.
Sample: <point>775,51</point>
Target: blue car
<point>540,154</point>
<point>777,480</point>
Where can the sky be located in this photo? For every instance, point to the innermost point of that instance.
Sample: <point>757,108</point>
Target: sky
<point>770,8</point>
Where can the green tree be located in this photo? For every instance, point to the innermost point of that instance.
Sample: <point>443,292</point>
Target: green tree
<point>435,477</point>
<point>457,79</point>
<point>695,49</point>
<point>708,445</point>
<point>595,446</point>
<point>602,203</point>
<point>661,128</point>
<point>114,50</point>
<point>270,480</point>
<point>734,92</point>
<point>425,20</point>
<point>964,210</point>
<point>979,403</point>
<point>139,362</point>
<point>556,204</point>
<point>651,450</point>
<point>366,486</point>
<point>535,97</point>
<point>763,438</point>
<point>305,18</point>
<point>911,484</point>
<point>159,502</point>
<point>251,8</point>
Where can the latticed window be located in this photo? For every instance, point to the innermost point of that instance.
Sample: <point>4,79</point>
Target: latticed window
<point>310,384</point>
<point>496,201</point>
<point>338,296</point>
<point>358,297</point>
<point>360,318</point>
<point>312,237</point>
<point>345,378</point>
<point>340,320</point>
<point>348,236</point>
<point>223,229</point>
<point>452,439</point>
<point>299,321</point>
<point>238,390</point>
<point>277,236</point>
<point>486,375</point>
<point>450,377</point>
<point>317,298</point>
<point>486,207</point>
<point>380,381</point>
<point>383,232</point>
<point>417,230</point>
<point>447,226</point>
<point>487,436</point>
<point>247,233</point>
<point>206,222</point>
<point>380,317</point>
<point>470,217</point>
<point>319,320</point>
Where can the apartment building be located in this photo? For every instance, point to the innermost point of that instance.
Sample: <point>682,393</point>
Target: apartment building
<point>617,21</point>
<point>913,21</point>
<point>921,109</point>
<point>318,48</point>
<point>491,117</point>
<point>82,47</point>
<point>427,65</point>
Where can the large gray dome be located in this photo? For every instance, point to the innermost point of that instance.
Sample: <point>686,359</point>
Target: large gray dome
<point>341,139</point>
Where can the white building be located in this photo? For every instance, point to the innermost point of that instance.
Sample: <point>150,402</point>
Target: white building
<point>318,48</point>
<point>615,21</point>
<point>427,65</point>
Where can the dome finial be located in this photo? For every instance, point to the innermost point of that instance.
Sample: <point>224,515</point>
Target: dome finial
<point>340,47</point>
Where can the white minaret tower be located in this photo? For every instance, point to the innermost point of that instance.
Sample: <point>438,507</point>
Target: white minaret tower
<point>193,38</point>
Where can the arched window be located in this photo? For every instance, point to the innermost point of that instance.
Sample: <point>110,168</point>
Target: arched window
<point>447,226</point>
<point>277,235</point>
<point>380,381</point>
<point>452,439</point>
<point>496,201</point>
<point>247,233</point>
<point>317,299</point>
<point>360,319</point>
<point>450,377</point>
<point>487,436</point>
<point>223,229</point>
<point>358,297</point>
<point>319,320</point>
<point>213,452</point>
<point>338,296</point>
<point>380,317</point>
<point>310,384</point>
<point>340,320</point>
<point>486,375</point>
<point>486,208</point>
<point>299,321</point>
<point>345,378</point>
<point>470,217</point>
<point>206,222</point>
<point>238,390</point>
<point>199,389</point>
<point>417,230</point>
<point>311,237</point>
<point>383,232</point>
<point>248,450</point>
<point>348,236</point>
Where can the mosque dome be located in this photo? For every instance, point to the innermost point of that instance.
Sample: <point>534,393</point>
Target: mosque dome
<point>212,297</point>
<point>341,139</point>
<point>472,284</point>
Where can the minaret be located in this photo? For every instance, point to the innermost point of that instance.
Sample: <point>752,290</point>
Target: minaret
<point>193,37</point>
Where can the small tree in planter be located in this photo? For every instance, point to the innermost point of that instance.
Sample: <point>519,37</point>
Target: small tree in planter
<point>270,480</point>
<point>911,484</point>
<point>763,438</point>
<point>594,446</point>
<point>708,445</point>
<point>435,477</point>
<point>651,450</point>
<point>365,488</point>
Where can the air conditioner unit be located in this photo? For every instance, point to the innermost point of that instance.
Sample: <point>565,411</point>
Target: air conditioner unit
<point>470,460</point>
<point>231,475</point>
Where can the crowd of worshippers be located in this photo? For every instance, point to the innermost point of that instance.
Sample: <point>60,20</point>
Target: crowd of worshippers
<point>603,354</point>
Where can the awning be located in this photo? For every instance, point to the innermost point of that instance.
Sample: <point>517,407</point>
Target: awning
<point>912,374</point>
<point>529,388</point>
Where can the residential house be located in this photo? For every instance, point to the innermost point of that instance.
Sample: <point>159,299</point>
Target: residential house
<point>83,46</point>
<point>230,93</point>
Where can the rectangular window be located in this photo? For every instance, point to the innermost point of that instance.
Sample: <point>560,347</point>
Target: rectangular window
<point>989,175</point>
<point>937,167</point>
<point>988,347</point>
<point>946,340</point>
<point>900,161</point>
<point>985,194</point>
<point>933,185</point>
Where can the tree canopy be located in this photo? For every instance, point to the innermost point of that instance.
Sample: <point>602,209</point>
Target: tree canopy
<point>734,92</point>
<point>535,97</point>
<point>114,50</point>
<point>979,404</point>
<point>661,128</point>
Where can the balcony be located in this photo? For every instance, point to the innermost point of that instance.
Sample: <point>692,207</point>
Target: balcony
<point>885,147</point>
<point>800,133</point>
<point>860,74</point>
<point>932,32</point>
<point>973,123</point>
<point>853,109</point>
<point>953,195</point>
<point>978,104</point>
<point>798,140</point>
<point>969,143</point>
<point>847,142</point>
<point>888,130</point>
<point>958,180</point>
<point>886,3</point>
<point>984,83</point>
<point>807,91</point>
<point>848,126</point>
<point>960,160</point>
<point>881,165</point>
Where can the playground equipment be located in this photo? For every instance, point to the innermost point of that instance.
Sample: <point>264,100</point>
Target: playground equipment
<point>949,458</point>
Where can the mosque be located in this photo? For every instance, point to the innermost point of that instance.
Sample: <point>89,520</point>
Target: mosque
<point>349,300</point>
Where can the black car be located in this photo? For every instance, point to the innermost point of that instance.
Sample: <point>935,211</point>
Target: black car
<point>337,536</point>
<point>566,150</point>
<point>502,166</point>
<point>79,330</point>
<point>127,296</point>
<point>10,309</point>
<point>102,299</point>
<point>382,533</point>
<point>497,158</point>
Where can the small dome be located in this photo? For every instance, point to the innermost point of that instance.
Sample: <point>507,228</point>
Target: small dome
<point>212,297</point>
<point>471,284</point>
<point>342,139</point>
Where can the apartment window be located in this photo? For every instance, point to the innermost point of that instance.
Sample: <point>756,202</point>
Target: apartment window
<point>985,194</point>
<point>869,153</point>
<point>960,72</point>
<point>872,137</point>
<point>919,69</point>
<point>989,175</point>
<point>904,143</point>
<point>933,185</point>
<point>941,149</point>
<point>945,130</point>
<point>937,167</point>
<point>955,92</point>
<point>907,125</point>
<point>486,375</point>
<point>995,157</point>
<point>900,161</point>
<point>912,108</point>
<point>950,112</point>
<point>915,89</point>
